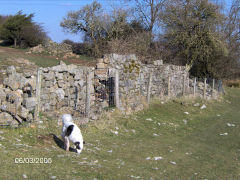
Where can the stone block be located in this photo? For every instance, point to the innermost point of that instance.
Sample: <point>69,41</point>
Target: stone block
<point>100,60</point>
<point>30,103</point>
<point>101,66</point>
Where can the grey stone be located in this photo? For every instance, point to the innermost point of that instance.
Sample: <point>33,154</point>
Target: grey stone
<point>2,95</point>
<point>22,112</point>
<point>62,84</point>
<point>27,74</point>
<point>196,105</point>
<point>59,76</point>
<point>78,75</point>
<point>49,76</point>
<point>15,96</point>
<point>30,103</point>
<point>13,109</point>
<point>62,63</point>
<point>5,118</point>
<point>101,66</point>
<point>30,82</point>
<point>11,82</point>
<point>60,68</point>
<point>203,106</point>
<point>30,117</point>
<point>46,107</point>
<point>158,62</point>
<point>71,68</point>
<point>60,93</point>
<point>45,70</point>
<point>11,70</point>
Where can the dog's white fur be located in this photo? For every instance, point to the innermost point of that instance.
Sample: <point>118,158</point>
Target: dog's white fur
<point>74,137</point>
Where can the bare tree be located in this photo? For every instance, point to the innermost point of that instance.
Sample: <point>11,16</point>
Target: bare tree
<point>148,11</point>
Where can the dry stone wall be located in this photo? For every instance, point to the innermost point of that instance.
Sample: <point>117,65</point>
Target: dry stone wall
<point>134,78</point>
<point>64,88</point>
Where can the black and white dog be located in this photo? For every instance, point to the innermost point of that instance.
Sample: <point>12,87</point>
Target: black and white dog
<point>70,132</point>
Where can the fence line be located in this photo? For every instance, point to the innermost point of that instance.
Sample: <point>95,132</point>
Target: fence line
<point>116,97</point>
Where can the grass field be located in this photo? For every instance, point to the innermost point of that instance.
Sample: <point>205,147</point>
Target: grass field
<point>161,142</point>
<point>40,60</point>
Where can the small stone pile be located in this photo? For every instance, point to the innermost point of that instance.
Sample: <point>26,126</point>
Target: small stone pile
<point>56,49</point>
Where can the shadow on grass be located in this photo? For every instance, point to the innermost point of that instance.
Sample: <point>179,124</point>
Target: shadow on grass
<point>60,143</point>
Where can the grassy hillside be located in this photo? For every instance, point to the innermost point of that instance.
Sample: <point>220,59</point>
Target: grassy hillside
<point>161,142</point>
<point>41,60</point>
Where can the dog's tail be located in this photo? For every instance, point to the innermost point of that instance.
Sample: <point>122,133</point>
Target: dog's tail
<point>66,118</point>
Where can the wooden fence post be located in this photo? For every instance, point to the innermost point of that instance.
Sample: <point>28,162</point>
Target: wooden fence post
<point>205,87</point>
<point>38,94</point>
<point>88,93</point>
<point>149,88</point>
<point>169,86</point>
<point>194,86</point>
<point>116,88</point>
<point>183,93</point>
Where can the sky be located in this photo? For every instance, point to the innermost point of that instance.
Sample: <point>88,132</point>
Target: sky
<point>50,13</point>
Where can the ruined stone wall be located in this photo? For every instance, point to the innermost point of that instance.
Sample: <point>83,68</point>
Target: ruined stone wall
<point>52,48</point>
<point>64,87</point>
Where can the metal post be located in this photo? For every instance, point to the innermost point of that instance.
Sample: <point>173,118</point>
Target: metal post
<point>213,84</point>
<point>169,86</point>
<point>194,86</point>
<point>205,87</point>
<point>183,85</point>
<point>149,87</point>
<point>117,88</point>
<point>38,93</point>
<point>88,93</point>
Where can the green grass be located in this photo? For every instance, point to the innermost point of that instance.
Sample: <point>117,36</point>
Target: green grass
<point>41,60</point>
<point>192,150</point>
<point>45,61</point>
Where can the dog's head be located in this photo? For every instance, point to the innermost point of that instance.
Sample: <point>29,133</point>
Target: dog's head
<point>79,146</point>
<point>66,118</point>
